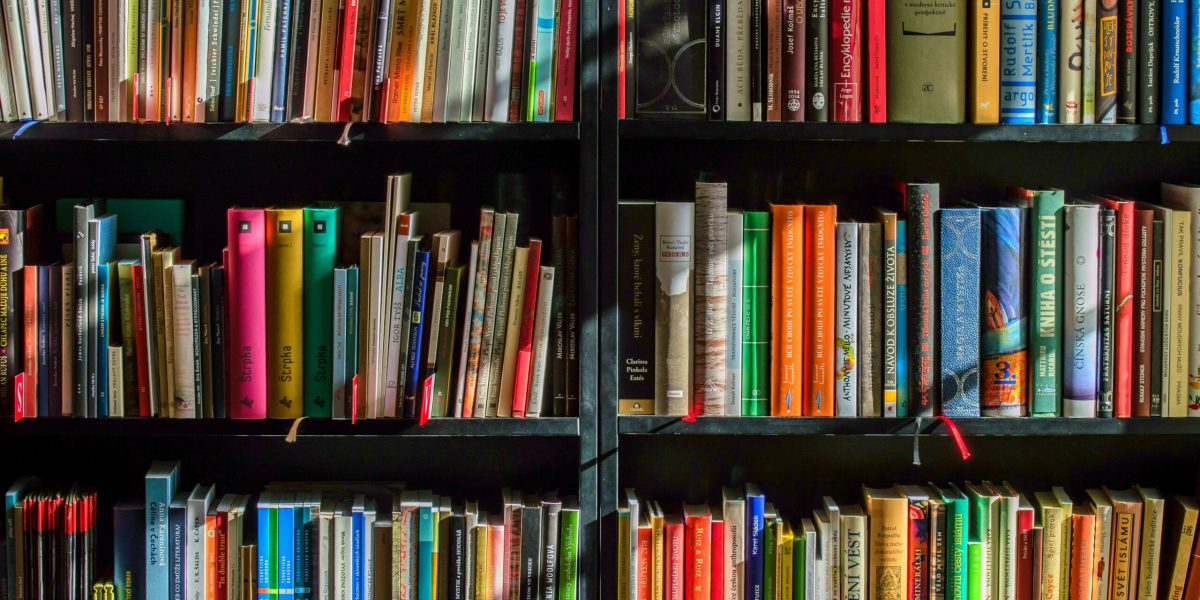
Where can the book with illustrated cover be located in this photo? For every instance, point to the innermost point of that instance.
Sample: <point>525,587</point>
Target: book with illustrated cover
<point>673,307</point>
<point>846,364</point>
<point>1003,344</point>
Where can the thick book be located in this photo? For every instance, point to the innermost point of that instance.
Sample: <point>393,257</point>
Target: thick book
<point>920,201</point>
<point>636,244</point>
<point>1018,63</point>
<point>959,244</point>
<point>321,230</point>
<point>1003,344</point>
<point>926,62</point>
<point>985,62</point>
<point>1081,250</point>
<point>1046,77</point>
<point>786,298</point>
<point>1126,550</point>
<point>246,270</point>
<point>816,73</point>
<point>888,559</point>
<point>846,71</point>
<point>711,282</point>
<point>670,59</point>
<point>1128,48</point>
<point>847,368</point>
<point>160,481</point>
<point>817,376</point>
<point>673,307</point>
<point>1046,273</point>
<point>1187,197</point>
<point>285,315</point>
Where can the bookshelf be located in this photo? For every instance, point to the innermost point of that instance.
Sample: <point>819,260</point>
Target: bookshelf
<point>290,132</point>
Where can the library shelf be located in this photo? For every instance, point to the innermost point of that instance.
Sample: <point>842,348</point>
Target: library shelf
<point>903,132</point>
<point>290,132</point>
<point>975,426</point>
<point>563,427</point>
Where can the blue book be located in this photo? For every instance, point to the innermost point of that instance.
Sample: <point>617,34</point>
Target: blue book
<point>756,509</point>
<point>102,326</point>
<point>177,546</point>
<point>959,253</point>
<point>102,246</point>
<point>44,385</point>
<point>161,482</point>
<point>541,67</point>
<point>1048,24</point>
<point>286,539</point>
<point>1193,61</point>
<point>901,325</point>
<point>304,529</point>
<point>129,550</point>
<point>425,550</point>
<point>417,327</point>
<point>1018,61</point>
<point>1174,61</point>
<point>227,102</point>
<point>265,543</point>
<point>357,559</point>
<point>15,494</point>
<point>279,80</point>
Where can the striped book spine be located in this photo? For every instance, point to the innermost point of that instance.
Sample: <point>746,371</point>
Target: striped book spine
<point>711,318</point>
<point>756,302</point>
<point>1018,64</point>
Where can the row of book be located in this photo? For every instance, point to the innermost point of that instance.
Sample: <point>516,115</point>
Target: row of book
<point>320,541</point>
<point>1029,305</point>
<point>1021,62</point>
<point>913,541</point>
<point>276,61</point>
<point>277,329</point>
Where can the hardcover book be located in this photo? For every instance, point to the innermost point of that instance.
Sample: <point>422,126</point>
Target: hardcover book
<point>846,72</point>
<point>673,307</point>
<point>711,319</point>
<point>920,201</point>
<point>1046,334</point>
<point>1108,310</point>
<point>321,229</point>
<point>1106,65</point>
<point>887,518</point>
<point>247,313</point>
<point>1003,345</point>
<point>1070,60</point>
<point>1123,311</point>
<point>926,62</point>
<point>1127,60</point>
<point>787,298</point>
<point>670,59</point>
<point>985,62</point>
<point>1173,104</point>
<point>816,74</point>
<point>1047,33</point>
<point>1187,197</point>
<point>870,322</point>
<point>846,341</point>
<point>890,226</point>
<point>959,242</point>
<point>285,316</point>
<point>1018,65</point>
<point>756,303</point>
<point>817,380</point>
<point>735,228</point>
<point>1081,248</point>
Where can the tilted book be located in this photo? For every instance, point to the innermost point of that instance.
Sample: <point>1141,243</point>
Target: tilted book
<point>445,255</point>
<point>285,315</point>
<point>959,245</point>
<point>673,327</point>
<point>522,376</point>
<point>712,319</point>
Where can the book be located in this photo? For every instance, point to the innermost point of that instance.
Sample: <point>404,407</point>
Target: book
<point>1099,504</point>
<point>1187,198</point>
<point>847,369</point>
<point>161,484</point>
<point>1127,531</point>
<point>893,266</point>
<point>1174,35</point>
<point>793,57</point>
<point>985,63</point>
<point>787,305</point>
<point>512,336</point>
<point>920,201</point>
<point>870,323</point>
<point>887,517</point>
<point>1070,58</point>
<point>1124,313</point>
<point>846,75</point>
<point>756,261</point>
<point>817,379</point>
<point>285,313</point>
<point>1018,69</point>
<point>1153,516</point>
<point>1143,256</point>
<point>1090,61</point>
<point>636,312</point>
<point>1127,61</point>
<point>755,541</point>
<point>1108,305</point>
<point>247,317</point>
<point>960,290</point>
<point>1106,63</point>
<point>321,230</point>
<point>735,303</point>
<point>184,399</point>
<point>926,62</point>
<point>918,533</point>
<point>816,73</point>
<point>1046,271</point>
<point>673,307</point>
<point>1081,247</point>
<point>711,310</point>
<point>1005,374</point>
<point>1046,34</point>
<point>670,84</point>
<point>1179,536</point>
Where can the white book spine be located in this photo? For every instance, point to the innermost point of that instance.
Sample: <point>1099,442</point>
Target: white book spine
<point>470,43</point>
<point>312,61</point>
<point>8,104</point>
<point>1081,283</point>
<point>392,384</point>
<point>185,381</point>
<point>465,335</point>
<point>1180,298</point>
<point>541,342</point>
<point>485,34</point>
<point>735,549</point>
<point>194,572</point>
<point>375,366</point>
<point>737,61</point>
<point>16,58</point>
<point>810,563</point>
<point>46,38</point>
<point>733,364</point>
<point>322,580</point>
<point>34,59</point>
<point>264,63</point>
<point>116,382</point>
<point>1188,198</point>
<point>418,81</point>
<point>1088,73</point>
<point>1008,563</point>
<point>148,80</point>
<point>845,382</point>
<point>712,296</point>
<point>500,61</point>
<point>201,65</point>
<point>342,557</point>
<point>1103,537</point>
<point>1070,62</point>
<point>59,90</point>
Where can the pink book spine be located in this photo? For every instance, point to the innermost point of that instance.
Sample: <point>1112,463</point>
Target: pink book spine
<point>876,61</point>
<point>247,272</point>
<point>845,69</point>
<point>496,557</point>
<point>524,374</point>
<point>564,88</point>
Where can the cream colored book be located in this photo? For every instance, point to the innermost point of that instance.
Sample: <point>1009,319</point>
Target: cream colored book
<point>853,553</point>
<point>1187,197</point>
<point>169,256</point>
<point>512,335</point>
<point>1050,517</point>
<point>116,382</point>
<point>184,399</point>
<point>1153,515</point>
<point>1181,533</point>
<point>887,519</point>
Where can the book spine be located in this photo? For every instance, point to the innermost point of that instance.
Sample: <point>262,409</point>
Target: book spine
<point>143,359</point>
<point>541,355</point>
<point>504,302</point>
<point>71,50</point>
<point>1018,73</point>
<point>512,329</point>
<point>876,72</point>
<point>1108,260</point>
<point>817,71</point>
<point>921,203</point>
<point>338,350</point>
<point>711,319</point>
<point>80,394</point>
<point>228,72</point>
<point>1005,372</point>
<point>755,545</point>
<point>29,352</point>
<point>1124,313</point>
<point>792,94</point>
<point>219,331</point>
<point>443,365</point>
<point>321,229</point>
<point>635,387</point>
<point>128,351</point>
<point>1143,248</point>
<point>714,49</point>
<point>42,329</point>
<point>297,61</point>
<point>1127,61</point>
<point>847,75</point>
<point>520,62</point>
<point>1179,301</point>
<point>819,277</point>
<point>247,318</point>
<point>473,403</point>
<point>344,67</point>
<point>1106,64</point>
<point>787,319</point>
<point>698,557</point>
<point>737,59</point>
<point>773,61</point>
<point>757,58</point>
<point>1070,61</point>
<point>756,303</point>
<point>846,341</point>
<point>870,323</point>
<point>569,243</point>
<point>1175,55</point>
<point>673,327</point>
<point>565,55</point>
<point>1160,330</point>
<point>887,520</point>
<point>12,260</point>
<point>1081,284</point>
<point>902,311</point>
<point>483,406</point>
<point>985,61</point>
<point>279,71</point>
<point>352,333</point>
<point>735,224</point>
<point>186,393</point>
<point>918,549</point>
<point>417,329</point>
<point>890,314</point>
<point>1149,58</point>
<point>960,275</point>
<point>1046,335</point>
<point>1049,28</point>
<point>285,317</point>
<point>1090,60</point>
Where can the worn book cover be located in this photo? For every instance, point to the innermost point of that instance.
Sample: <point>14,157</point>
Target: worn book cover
<point>870,321</point>
<point>712,318</point>
<point>920,201</point>
<point>673,307</point>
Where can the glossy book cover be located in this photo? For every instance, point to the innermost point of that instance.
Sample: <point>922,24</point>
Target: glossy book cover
<point>1005,323</point>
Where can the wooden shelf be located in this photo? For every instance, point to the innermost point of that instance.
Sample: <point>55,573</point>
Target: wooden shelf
<point>289,132</point>
<point>903,132</point>
<point>783,426</point>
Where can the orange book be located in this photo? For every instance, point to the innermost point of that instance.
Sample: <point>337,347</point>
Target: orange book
<point>190,29</point>
<point>819,251</point>
<point>210,572</point>
<point>31,339</point>
<point>787,298</point>
<point>1083,548</point>
<point>1191,591</point>
<point>698,560</point>
<point>645,542</point>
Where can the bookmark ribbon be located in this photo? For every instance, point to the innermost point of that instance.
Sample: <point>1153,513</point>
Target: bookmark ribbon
<point>294,431</point>
<point>957,435</point>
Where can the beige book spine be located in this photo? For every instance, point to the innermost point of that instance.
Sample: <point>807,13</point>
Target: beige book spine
<point>512,334</point>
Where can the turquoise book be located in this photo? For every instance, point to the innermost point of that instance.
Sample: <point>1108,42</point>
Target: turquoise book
<point>1018,61</point>
<point>959,289</point>
<point>958,517</point>
<point>161,482</point>
<point>265,543</point>
<point>901,323</point>
<point>1046,329</point>
<point>286,541</point>
<point>321,228</point>
<point>425,572</point>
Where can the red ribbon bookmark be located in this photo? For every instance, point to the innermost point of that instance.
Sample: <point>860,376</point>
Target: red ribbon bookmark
<point>957,435</point>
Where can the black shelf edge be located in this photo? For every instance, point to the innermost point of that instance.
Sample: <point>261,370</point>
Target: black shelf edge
<point>784,426</point>
<point>289,132</point>
<point>320,428</point>
<point>903,132</point>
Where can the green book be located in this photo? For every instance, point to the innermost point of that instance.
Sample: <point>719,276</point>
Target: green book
<point>444,375</point>
<point>984,526</point>
<point>320,258</point>
<point>798,566</point>
<point>1046,328</point>
<point>975,570</point>
<point>273,556</point>
<point>958,513</point>
<point>128,348</point>
<point>756,315</point>
<point>769,579</point>
<point>568,546</point>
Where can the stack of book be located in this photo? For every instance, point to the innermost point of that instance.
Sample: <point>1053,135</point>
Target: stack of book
<point>1021,62</point>
<point>317,540</point>
<point>277,329</point>
<point>281,61</point>
<point>913,541</point>
<point>1031,305</point>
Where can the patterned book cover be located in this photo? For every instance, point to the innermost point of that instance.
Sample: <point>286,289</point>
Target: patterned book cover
<point>478,303</point>
<point>673,326</point>
<point>1018,64</point>
<point>712,318</point>
<point>787,322</point>
<point>820,224</point>
<point>918,542</point>
<point>1003,343</point>
<point>921,204</point>
<point>1127,60</point>
<point>870,325</point>
<point>1108,269</point>
<point>1048,29</point>
<point>1081,246</point>
<point>756,302</point>
<point>889,343</point>
<point>846,341</point>
<point>285,318</point>
<point>1046,333</point>
<point>1106,64</point>
<point>959,244</point>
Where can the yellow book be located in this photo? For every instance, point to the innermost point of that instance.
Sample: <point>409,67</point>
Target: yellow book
<point>1180,531</point>
<point>166,314</point>
<point>985,62</point>
<point>1153,509</point>
<point>326,57</point>
<point>786,569</point>
<point>1127,531</point>
<point>429,80</point>
<point>1179,294</point>
<point>483,583</point>
<point>657,552</point>
<point>244,64</point>
<point>131,60</point>
<point>512,335</point>
<point>440,514</point>
<point>887,539</point>
<point>285,313</point>
<point>403,59</point>
<point>1051,516</point>
<point>1064,501</point>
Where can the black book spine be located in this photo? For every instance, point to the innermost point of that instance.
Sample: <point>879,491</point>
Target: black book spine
<point>715,60</point>
<point>1127,62</point>
<point>1108,275</point>
<point>921,203</point>
<point>635,307</point>
<point>72,37</point>
<point>550,549</point>
<point>43,341</point>
<point>216,305</point>
<point>531,552</point>
<point>1156,320</point>
<point>12,258</point>
<point>1148,61</point>
<point>230,36</point>
<point>458,558</point>
<point>558,322</point>
<point>758,63</point>
<point>816,76</point>
<point>298,58</point>
<point>54,337</point>
<point>177,537</point>
<point>571,250</point>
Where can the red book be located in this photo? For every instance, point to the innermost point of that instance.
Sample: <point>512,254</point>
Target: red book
<point>620,60</point>
<point>222,562</point>
<point>774,66</point>
<point>30,340</point>
<point>645,542</point>
<point>716,581</point>
<point>845,49</point>
<point>1143,296</point>
<point>793,60</point>
<point>1123,340</point>
<point>345,61</point>
<point>516,91</point>
<point>918,549</point>
<point>139,333</point>
<point>876,61</point>
<point>1025,552</point>
<point>524,374</point>
<point>247,334</point>
<point>1191,589</point>
<point>564,72</point>
<point>674,586</point>
<point>698,552</point>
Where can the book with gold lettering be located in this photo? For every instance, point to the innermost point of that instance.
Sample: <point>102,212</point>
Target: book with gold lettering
<point>1127,533</point>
